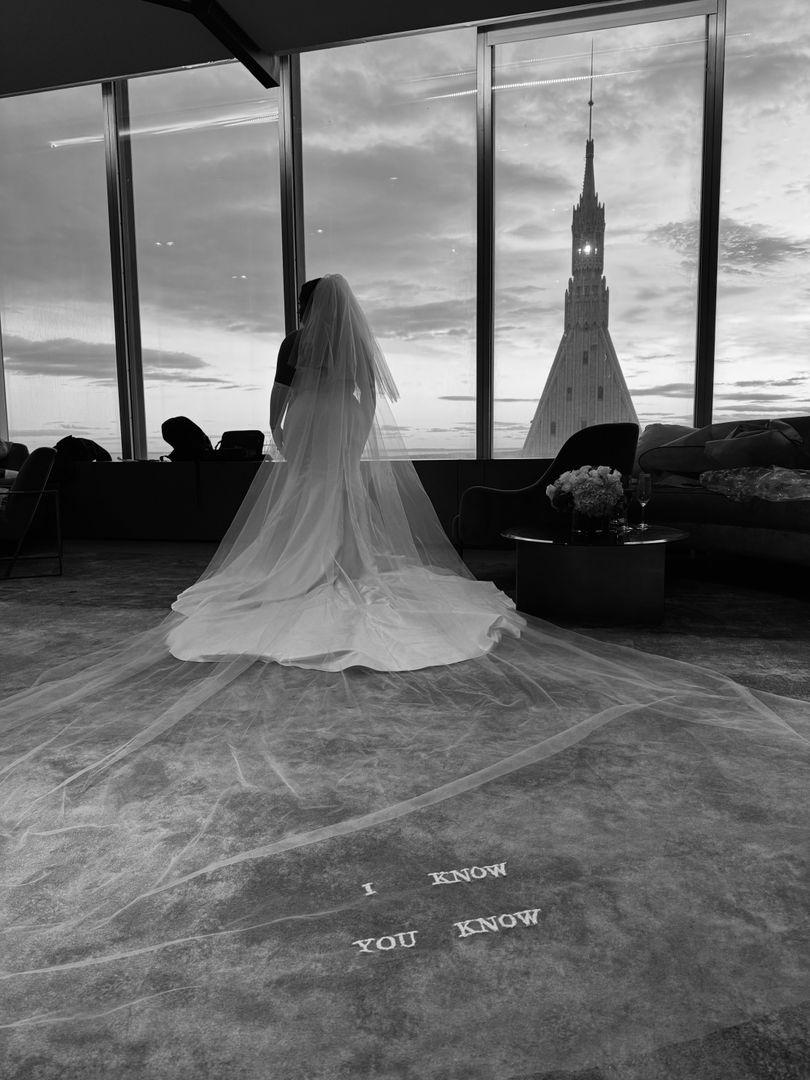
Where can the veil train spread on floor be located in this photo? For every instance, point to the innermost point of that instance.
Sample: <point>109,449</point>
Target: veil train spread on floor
<point>335,674</point>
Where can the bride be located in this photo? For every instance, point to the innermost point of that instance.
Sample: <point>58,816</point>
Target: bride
<point>336,558</point>
<point>336,701</point>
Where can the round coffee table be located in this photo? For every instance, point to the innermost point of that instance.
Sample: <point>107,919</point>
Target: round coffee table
<point>593,584</point>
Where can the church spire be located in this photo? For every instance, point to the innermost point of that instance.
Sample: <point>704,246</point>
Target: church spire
<point>585,384</point>
<point>589,184</point>
<point>590,99</point>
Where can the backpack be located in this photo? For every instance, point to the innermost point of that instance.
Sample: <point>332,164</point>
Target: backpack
<point>73,448</point>
<point>188,441</point>
<point>241,446</point>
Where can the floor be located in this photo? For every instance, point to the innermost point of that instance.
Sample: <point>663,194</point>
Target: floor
<point>749,620</point>
<point>665,864</point>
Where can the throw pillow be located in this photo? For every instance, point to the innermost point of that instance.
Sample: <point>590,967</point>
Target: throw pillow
<point>655,435</point>
<point>686,455</point>
<point>777,443</point>
<point>802,425</point>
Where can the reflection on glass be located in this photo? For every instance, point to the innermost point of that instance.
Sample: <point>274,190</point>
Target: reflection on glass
<point>390,203</point>
<point>596,212</point>
<point>55,284</point>
<point>207,222</point>
<point>763,284</point>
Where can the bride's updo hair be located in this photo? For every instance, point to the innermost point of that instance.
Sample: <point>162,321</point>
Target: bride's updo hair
<point>305,295</point>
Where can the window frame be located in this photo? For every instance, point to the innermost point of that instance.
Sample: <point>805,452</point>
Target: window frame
<point>598,15</point>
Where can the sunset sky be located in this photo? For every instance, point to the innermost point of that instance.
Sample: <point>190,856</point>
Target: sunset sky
<point>389,194</point>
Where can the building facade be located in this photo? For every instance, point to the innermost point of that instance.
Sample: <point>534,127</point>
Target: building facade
<point>585,384</point>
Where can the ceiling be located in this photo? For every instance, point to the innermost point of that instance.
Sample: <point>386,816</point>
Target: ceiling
<point>50,43</point>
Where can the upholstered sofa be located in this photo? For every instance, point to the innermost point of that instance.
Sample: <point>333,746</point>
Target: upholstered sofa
<point>690,467</point>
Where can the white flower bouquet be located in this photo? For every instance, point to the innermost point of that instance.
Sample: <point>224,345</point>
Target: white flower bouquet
<point>593,490</point>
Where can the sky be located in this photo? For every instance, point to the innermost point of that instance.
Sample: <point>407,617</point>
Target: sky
<point>389,198</point>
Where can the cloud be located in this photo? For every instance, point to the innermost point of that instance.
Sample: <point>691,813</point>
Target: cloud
<point>796,380</point>
<point>65,357</point>
<point>57,428</point>
<point>213,194</point>
<point>752,396</point>
<point>753,410</point>
<point>95,362</point>
<point>657,356</point>
<point>634,314</point>
<point>798,187</point>
<point>761,70</point>
<point>434,318</point>
<point>744,249</point>
<point>502,400</point>
<point>534,182</point>
<point>665,390</point>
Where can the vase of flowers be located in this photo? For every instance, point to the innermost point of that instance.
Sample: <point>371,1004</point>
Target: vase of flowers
<point>591,495</point>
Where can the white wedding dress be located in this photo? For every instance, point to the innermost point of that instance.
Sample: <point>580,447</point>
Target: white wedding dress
<point>337,558</point>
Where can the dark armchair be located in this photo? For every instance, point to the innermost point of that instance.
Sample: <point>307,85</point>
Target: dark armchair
<point>19,512</point>
<point>12,455</point>
<point>484,512</point>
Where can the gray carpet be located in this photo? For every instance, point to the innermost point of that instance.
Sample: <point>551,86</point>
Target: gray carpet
<point>647,851</point>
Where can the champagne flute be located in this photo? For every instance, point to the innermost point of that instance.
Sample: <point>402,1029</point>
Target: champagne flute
<point>643,496</point>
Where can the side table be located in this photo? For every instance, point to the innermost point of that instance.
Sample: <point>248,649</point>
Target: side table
<point>593,584</point>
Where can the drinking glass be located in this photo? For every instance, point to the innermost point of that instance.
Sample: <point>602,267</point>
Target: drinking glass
<point>619,524</point>
<point>643,496</point>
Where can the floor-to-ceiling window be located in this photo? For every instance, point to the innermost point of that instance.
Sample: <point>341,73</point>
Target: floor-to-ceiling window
<point>584,193</point>
<point>762,362</point>
<point>207,224</point>
<point>389,143</point>
<point>55,290</point>
<point>390,202</point>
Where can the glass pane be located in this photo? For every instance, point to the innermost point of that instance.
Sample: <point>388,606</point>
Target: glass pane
<point>390,203</point>
<point>55,284</point>
<point>563,248</point>
<point>763,284</point>
<point>207,221</point>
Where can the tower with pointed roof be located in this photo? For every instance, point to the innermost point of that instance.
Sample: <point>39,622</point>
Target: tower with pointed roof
<point>585,384</point>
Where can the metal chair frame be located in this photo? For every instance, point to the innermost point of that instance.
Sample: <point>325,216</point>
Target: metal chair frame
<point>17,555</point>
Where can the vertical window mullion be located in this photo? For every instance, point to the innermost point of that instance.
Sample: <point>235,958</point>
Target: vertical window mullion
<point>124,267</point>
<point>292,188</point>
<point>3,399</point>
<point>486,228</point>
<point>709,216</point>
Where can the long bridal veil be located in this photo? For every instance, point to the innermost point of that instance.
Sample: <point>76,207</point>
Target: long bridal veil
<point>336,558</point>
<point>337,692</point>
